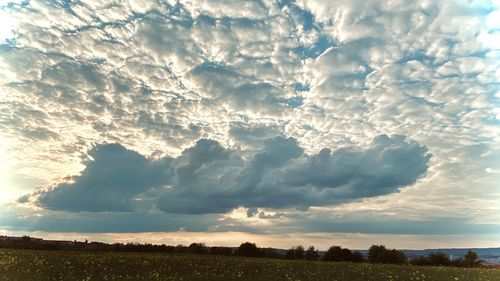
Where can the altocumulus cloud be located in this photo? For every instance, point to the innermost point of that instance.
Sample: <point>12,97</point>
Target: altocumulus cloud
<point>208,178</point>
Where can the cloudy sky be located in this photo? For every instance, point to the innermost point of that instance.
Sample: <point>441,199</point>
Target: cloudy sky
<point>279,122</point>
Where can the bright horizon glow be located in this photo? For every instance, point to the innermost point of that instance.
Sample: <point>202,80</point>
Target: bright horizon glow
<point>322,241</point>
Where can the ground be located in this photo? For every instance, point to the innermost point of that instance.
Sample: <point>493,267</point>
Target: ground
<point>25,265</point>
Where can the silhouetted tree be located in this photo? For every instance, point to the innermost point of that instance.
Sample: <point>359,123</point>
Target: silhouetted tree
<point>423,260</point>
<point>395,256</point>
<point>438,258</point>
<point>220,251</point>
<point>441,259</point>
<point>375,252</point>
<point>457,262</point>
<point>198,248</point>
<point>337,253</point>
<point>470,259</point>
<point>332,254</point>
<point>380,254</point>
<point>180,249</point>
<point>357,257</point>
<point>295,253</point>
<point>311,254</point>
<point>248,249</point>
<point>270,253</point>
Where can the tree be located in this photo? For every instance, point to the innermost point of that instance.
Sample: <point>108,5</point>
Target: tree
<point>457,262</point>
<point>438,258</point>
<point>26,239</point>
<point>337,253</point>
<point>357,257</point>
<point>270,253</point>
<point>380,254</point>
<point>375,253</point>
<point>333,254</point>
<point>311,254</point>
<point>248,249</point>
<point>395,256</point>
<point>295,253</point>
<point>198,248</point>
<point>220,251</point>
<point>470,259</point>
<point>422,260</point>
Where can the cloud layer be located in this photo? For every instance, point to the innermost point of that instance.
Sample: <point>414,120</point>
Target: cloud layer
<point>208,178</point>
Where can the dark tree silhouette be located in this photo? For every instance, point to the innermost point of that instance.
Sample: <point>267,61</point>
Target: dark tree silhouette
<point>270,253</point>
<point>375,252</point>
<point>220,251</point>
<point>248,249</point>
<point>441,259</point>
<point>332,254</point>
<point>357,257</point>
<point>438,258</point>
<point>311,254</point>
<point>295,253</point>
<point>337,253</point>
<point>434,258</point>
<point>198,248</point>
<point>380,254</point>
<point>470,259</point>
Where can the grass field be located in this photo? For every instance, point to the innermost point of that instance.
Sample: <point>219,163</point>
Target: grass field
<point>26,265</point>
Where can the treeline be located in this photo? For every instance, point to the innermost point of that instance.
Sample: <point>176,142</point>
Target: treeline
<point>470,259</point>
<point>376,253</point>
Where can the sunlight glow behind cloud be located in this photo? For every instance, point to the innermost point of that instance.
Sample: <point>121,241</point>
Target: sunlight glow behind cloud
<point>6,24</point>
<point>5,191</point>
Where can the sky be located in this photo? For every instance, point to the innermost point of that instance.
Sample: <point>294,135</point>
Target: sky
<point>278,122</point>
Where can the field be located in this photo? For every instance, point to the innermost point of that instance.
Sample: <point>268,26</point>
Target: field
<point>26,265</point>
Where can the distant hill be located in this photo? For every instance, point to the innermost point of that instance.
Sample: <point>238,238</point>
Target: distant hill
<point>489,255</point>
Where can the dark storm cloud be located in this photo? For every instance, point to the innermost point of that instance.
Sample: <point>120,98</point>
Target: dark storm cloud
<point>208,178</point>
<point>387,165</point>
<point>227,183</point>
<point>109,182</point>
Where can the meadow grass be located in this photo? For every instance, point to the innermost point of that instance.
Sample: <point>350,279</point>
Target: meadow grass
<point>26,265</point>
